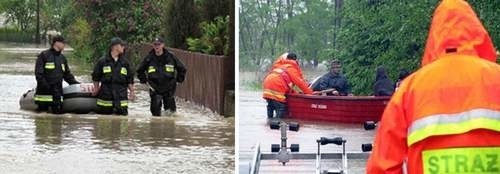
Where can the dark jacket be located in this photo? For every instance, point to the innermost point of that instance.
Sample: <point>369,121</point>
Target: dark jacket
<point>383,85</point>
<point>115,76</point>
<point>402,75</point>
<point>330,80</point>
<point>161,72</point>
<point>50,69</point>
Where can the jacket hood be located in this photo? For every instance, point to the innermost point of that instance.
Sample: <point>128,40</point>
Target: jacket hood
<point>456,28</point>
<point>282,60</point>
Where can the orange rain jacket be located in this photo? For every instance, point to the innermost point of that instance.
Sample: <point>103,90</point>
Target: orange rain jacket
<point>284,74</point>
<point>445,118</point>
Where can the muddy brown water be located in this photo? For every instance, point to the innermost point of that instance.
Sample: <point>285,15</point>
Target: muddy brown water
<point>193,140</point>
<point>254,128</point>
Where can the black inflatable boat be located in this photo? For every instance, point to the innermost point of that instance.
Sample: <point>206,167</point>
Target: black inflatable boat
<point>77,98</point>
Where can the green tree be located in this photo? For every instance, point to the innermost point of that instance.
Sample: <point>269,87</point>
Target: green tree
<point>381,33</point>
<point>20,13</point>
<point>362,34</point>
<point>215,38</point>
<point>215,8</point>
<point>135,21</point>
<point>52,15</point>
<point>312,31</point>
<point>181,22</point>
<point>80,35</point>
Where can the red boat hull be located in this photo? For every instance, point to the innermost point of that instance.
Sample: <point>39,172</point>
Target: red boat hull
<point>346,109</point>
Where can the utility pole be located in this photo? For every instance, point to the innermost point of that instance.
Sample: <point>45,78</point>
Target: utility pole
<point>37,34</point>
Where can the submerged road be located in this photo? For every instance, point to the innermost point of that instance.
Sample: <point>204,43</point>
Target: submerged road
<point>193,140</point>
<point>253,128</point>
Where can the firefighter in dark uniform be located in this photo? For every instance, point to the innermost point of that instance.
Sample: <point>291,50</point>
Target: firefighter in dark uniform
<point>161,70</point>
<point>50,70</point>
<point>112,76</point>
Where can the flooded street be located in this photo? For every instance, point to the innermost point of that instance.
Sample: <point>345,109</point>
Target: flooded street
<point>193,140</point>
<point>253,128</point>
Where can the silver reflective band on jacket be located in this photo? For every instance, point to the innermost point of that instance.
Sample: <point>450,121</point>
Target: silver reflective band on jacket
<point>449,124</point>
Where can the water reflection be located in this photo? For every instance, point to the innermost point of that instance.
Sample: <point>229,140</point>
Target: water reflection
<point>112,132</point>
<point>48,130</point>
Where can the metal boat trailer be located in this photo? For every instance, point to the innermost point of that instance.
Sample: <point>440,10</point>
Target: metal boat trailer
<point>280,152</point>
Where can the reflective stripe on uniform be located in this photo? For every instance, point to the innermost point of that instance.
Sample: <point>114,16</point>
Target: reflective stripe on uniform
<point>448,124</point>
<point>124,103</point>
<point>151,69</point>
<point>50,65</point>
<point>106,69</point>
<point>477,160</point>
<point>63,67</point>
<point>104,103</point>
<point>43,98</point>
<point>123,71</point>
<point>169,68</point>
<point>274,93</point>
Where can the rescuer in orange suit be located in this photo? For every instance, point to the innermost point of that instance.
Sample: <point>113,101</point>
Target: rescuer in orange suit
<point>445,118</point>
<point>285,73</point>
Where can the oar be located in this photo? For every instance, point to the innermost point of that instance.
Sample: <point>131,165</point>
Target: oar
<point>326,91</point>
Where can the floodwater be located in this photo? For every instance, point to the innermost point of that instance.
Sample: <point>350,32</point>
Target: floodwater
<point>254,128</point>
<point>193,140</point>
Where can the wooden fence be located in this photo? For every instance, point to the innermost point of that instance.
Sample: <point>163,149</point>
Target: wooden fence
<point>206,79</point>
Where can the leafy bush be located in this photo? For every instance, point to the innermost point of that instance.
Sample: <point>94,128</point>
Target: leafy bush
<point>135,21</point>
<point>79,36</point>
<point>215,38</point>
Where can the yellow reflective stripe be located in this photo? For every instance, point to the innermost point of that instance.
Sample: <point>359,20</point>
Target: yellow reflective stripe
<point>449,124</point>
<point>275,93</point>
<point>63,67</point>
<point>43,98</point>
<point>124,103</point>
<point>169,68</point>
<point>477,160</point>
<point>106,69</point>
<point>50,65</point>
<point>151,69</point>
<point>104,103</point>
<point>123,71</point>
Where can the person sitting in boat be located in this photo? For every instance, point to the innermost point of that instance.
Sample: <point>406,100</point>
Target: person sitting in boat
<point>383,85</point>
<point>334,81</point>
<point>284,73</point>
<point>402,75</point>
